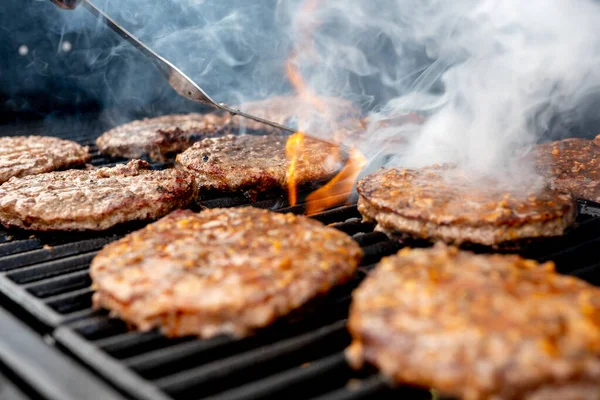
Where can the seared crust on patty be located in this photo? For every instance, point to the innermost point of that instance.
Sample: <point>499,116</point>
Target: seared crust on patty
<point>478,326</point>
<point>93,199</point>
<point>29,155</point>
<point>438,203</point>
<point>163,137</point>
<point>256,163</point>
<point>571,165</point>
<point>220,271</point>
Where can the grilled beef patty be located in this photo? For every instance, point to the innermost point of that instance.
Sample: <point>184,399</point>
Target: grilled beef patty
<point>93,199</point>
<point>29,155</point>
<point>220,271</point>
<point>256,163</point>
<point>478,326</point>
<point>163,137</point>
<point>571,165</point>
<point>439,204</point>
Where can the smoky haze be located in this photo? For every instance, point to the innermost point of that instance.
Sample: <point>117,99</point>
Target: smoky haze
<point>508,68</point>
<point>491,76</point>
<point>496,75</point>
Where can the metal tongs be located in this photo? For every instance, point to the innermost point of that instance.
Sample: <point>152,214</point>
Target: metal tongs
<point>177,79</point>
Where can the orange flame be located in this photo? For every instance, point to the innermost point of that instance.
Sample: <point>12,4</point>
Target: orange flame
<point>337,190</point>
<point>305,93</point>
<point>293,149</point>
<point>304,47</point>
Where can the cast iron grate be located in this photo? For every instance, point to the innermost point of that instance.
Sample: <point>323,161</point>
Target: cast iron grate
<point>299,357</point>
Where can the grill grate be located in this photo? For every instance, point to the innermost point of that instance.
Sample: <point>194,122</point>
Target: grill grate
<point>298,357</point>
<point>10,389</point>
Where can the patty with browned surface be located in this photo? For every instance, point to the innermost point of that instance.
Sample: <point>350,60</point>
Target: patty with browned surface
<point>257,163</point>
<point>93,199</point>
<point>160,138</point>
<point>164,137</point>
<point>220,271</point>
<point>478,326</point>
<point>444,204</point>
<point>29,155</point>
<point>571,165</point>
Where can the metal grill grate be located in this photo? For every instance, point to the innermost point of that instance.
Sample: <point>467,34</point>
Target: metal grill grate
<point>9,389</point>
<point>299,357</point>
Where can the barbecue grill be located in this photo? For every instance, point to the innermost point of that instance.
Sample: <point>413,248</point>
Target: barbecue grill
<point>44,282</point>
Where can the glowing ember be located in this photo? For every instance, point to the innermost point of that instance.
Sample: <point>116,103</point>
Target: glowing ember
<point>293,149</point>
<point>338,189</point>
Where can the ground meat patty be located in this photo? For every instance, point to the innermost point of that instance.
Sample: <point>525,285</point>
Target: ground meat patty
<point>29,155</point>
<point>441,204</point>
<point>478,326</point>
<point>572,165</point>
<point>93,199</point>
<point>163,137</point>
<point>220,271</point>
<point>256,163</point>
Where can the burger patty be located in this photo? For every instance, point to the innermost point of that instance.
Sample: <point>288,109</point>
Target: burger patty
<point>441,204</point>
<point>220,271</point>
<point>478,326</point>
<point>256,163</point>
<point>93,199</point>
<point>29,155</point>
<point>571,165</point>
<point>163,137</point>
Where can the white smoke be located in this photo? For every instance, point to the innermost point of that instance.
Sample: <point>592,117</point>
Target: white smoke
<point>507,68</point>
<point>498,71</point>
<point>490,75</point>
<point>522,64</point>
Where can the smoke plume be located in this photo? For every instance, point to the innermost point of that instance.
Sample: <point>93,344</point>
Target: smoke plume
<point>495,75</point>
<point>490,77</point>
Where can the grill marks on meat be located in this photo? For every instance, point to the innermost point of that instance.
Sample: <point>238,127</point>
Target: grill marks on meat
<point>163,137</point>
<point>159,138</point>
<point>93,199</point>
<point>433,204</point>
<point>220,271</point>
<point>478,326</point>
<point>256,163</point>
<point>571,165</point>
<point>29,155</point>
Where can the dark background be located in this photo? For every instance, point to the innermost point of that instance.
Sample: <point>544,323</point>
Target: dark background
<point>102,73</point>
<point>49,82</point>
